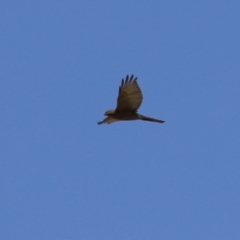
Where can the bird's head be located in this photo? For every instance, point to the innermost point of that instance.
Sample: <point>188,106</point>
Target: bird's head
<point>109,112</point>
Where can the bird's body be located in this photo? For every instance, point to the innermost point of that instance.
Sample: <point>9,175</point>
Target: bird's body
<point>129,100</point>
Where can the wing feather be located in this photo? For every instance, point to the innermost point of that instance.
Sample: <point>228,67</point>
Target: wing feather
<point>130,95</point>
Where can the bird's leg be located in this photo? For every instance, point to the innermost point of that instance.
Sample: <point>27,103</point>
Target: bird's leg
<point>108,120</point>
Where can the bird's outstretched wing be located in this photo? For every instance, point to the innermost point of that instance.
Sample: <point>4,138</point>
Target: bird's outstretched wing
<point>130,95</point>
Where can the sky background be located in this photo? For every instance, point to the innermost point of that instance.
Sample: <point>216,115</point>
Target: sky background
<point>63,177</point>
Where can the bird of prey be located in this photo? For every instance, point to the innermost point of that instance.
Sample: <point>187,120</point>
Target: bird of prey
<point>129,100</point>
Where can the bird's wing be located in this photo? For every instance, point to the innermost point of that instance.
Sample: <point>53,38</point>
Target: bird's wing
<point>130,95</point>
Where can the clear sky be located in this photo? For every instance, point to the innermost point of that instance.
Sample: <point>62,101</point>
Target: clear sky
<point>64,177</point>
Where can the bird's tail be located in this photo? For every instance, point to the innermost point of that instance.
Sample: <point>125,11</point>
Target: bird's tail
<point>144,118</point>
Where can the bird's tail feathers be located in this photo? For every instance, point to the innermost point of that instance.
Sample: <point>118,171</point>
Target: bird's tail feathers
<point>145,118</point>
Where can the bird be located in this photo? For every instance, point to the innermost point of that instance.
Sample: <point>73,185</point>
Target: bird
<point>129,100</point>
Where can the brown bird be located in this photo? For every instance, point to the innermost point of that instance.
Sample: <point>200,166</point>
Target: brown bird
<point>129,100</point>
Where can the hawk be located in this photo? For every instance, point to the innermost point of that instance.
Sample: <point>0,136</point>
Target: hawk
<point>129,100</point>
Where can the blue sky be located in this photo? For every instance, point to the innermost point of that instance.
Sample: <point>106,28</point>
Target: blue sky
<point>62,176</point>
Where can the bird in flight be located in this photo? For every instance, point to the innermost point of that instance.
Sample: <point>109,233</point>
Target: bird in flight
<point>129,100</point>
